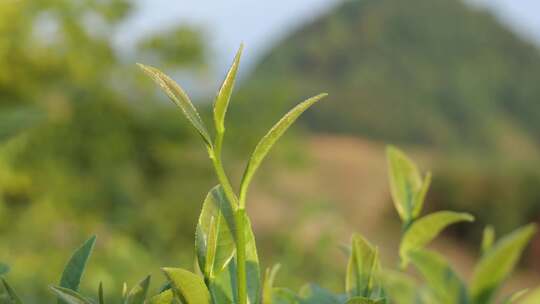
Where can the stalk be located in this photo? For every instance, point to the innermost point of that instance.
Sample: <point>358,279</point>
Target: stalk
<point>239,212</point>
<point>241,255</point>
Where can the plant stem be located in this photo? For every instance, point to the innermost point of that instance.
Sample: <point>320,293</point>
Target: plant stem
<point>239,218</point>
<point>239,214</point>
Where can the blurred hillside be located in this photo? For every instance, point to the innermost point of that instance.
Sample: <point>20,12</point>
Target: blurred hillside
<point>424,72</point>
<point>440,77</point>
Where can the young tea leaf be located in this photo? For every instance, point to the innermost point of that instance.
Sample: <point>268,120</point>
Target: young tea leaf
<point>71,277</point>
<point>268,285</point>
<point>69,296</point>
<point>445,284</point>
<point>497,264</point>
<point>362,267</point>
<point>101,298</point>
<point>189,287</point>
<point>214,236</point>
<point>264,145</point>
<point>180,98</point>
<point>137,295</point>
<point>13,297</point>
<point>424,230</point>
<point>224,95</point>
<point>165,297</point>
<point>407,187</point>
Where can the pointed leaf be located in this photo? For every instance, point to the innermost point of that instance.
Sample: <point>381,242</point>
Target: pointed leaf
<point>164,297</point>
<point>189,287</point>
<point>498,262</point>
<point>214,237</point>
<point>137,295</point>
<point>425,229</point>
<point>180,98</point>
<point>101,299</point>
<point>11,293</point>
<point>69,296</point>
<point>440,277</point>
<point>406,185</point>
<point>224,95</point>
<point>71,277</point>
<point>361,269</point>
<point>420,196</point>
<point>268,286</point>
<point>270,139</point>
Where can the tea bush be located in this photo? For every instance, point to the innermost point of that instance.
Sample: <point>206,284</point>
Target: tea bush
<point>227,265</point>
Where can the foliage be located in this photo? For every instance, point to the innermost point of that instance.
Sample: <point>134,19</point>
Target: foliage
<point>85,142</point>
<point>227,265</point>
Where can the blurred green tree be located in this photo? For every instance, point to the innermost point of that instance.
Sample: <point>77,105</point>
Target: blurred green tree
<point>90,155</point>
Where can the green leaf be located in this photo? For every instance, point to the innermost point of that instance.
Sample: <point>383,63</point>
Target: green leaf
<point>313,294</point>
<point>224,95</point>
<point>164,297</point>
<point>189,287</point>
<point>425,229</point>
<point>488,238</point>
<point>180,98</point>
<point>101,299</point>
<point>498,262</point>
<point>71,277</point>
<point>445,284</point>
<point>532,298</point>
<point>362,300</point>
<point>362,268</point>
<point>214,236</point>
<point>400,288</point>
<point>4,268</point>
<point>69,296</point>
<point>269,140</point>
<point>268,286</point>
<point>137,295</point>
<point>124,291</point>
<point>223,287</point>
<point>407,187</point>
<point>11,293</point>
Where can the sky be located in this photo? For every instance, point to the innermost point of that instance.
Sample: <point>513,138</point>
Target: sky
<point>259,24</point>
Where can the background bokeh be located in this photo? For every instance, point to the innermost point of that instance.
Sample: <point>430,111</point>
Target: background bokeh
<point>89,145</point>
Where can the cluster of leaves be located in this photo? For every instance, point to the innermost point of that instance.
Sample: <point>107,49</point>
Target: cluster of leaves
<point>227,265</point>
